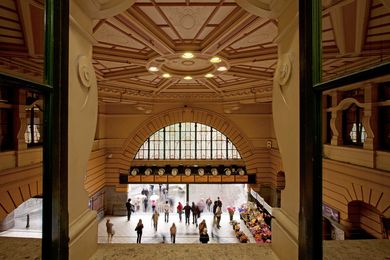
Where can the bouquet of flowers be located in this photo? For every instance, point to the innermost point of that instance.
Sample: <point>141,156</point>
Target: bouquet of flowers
<point>231,212</point>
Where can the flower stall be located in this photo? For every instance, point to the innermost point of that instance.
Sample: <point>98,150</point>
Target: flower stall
<point>254,219</point>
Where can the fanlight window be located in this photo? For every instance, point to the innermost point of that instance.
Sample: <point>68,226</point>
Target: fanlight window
<point>191,141</point>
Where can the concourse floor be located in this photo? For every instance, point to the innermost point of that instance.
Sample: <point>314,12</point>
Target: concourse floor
<point>125,233</point>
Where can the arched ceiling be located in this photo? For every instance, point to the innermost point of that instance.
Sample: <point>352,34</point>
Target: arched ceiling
<point>155,33</point>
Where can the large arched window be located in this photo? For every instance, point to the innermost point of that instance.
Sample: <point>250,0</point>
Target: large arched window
<point>188,141</point>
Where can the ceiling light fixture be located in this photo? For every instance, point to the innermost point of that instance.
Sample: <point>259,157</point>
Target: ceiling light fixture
<point>187,55</point>
<point>187,77</point>
<point>154,69</point>
<point>209,75</point>
<point>166,75</point>
<point>215,59</point>
<point>222,68</point>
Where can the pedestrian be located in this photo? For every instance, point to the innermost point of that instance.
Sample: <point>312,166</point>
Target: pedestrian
<point>167,208</point>
<point>187,212</point>
<point>173,233</point>
<point>215,206</point>
<point>195,214</point>
<point>204,237</point>
<point>219,203</point>
<point>180,210</point>
<point>209,202</point>
<point>153,205</point>
<point>139,228</point>
<point>155,219</point>
<point>130,208</point>
<point>218,214</point>
<point>110,230</point>
<point>145,204</point>
<point>202,226</point>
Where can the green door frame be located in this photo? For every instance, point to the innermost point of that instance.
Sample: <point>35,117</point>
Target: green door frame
<point>311,88</point>
<point>55,147</point>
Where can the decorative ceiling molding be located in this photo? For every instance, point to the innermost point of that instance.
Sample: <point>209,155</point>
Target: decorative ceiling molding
<point>101,9</point>
<point>265,8</point>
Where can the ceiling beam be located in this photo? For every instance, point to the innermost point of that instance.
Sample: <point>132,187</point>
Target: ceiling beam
<point>253,74</point>
<point>126,73</point>
<point>237,21</point>
<point>209,83</point>
<point>107,54</point>
<point>165,85</point>
<point>148,33</point>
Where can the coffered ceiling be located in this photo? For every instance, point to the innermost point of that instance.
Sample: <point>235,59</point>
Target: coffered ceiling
<point>138,53</point>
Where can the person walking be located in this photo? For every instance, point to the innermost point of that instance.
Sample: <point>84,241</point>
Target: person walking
<point>195,214</point>
<point>145,204</point>
<point>110,230</point>
<point>173,233</point>
<point>187,212</point>
<point>218,214</point>
<point>155,219</point>
<point>167,208</point>
<point>139,228</point>
<point>204,237</point>
<point>180,210</point>
<point>208,203</point>
<point>130,208</point>
<point>219,202</point>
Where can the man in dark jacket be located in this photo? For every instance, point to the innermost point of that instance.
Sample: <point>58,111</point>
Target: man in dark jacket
<point>130,208</point>
<point>187,212</point>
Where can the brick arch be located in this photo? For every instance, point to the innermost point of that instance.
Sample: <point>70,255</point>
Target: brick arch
<point>203,116</point>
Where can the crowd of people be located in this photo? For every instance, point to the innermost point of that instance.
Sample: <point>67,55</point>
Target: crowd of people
<point>195,209</point>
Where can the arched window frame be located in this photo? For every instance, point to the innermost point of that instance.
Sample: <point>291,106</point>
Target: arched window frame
<point>188,141</point>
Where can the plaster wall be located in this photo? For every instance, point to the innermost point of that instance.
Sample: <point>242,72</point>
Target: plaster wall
<point>285,104</point>
<point>82,117</point>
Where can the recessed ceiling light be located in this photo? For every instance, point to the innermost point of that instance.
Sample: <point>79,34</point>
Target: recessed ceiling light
<point>166,75</point>
<point>153,69</point>
<point>209,75</point>
<point>222,68</point>
<point>187,77</point>
<point>215,59</point>
<point>187,55</point>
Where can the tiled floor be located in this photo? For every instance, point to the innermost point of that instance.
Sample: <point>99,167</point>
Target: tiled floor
<point>124,230</point>
<point>231,195</point>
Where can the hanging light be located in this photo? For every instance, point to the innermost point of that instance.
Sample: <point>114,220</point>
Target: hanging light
<point>187,55</point>
<point>166,75</point>
<point>187,78</point>
<point>222,68</point>
<point>209,75</point>
<point>215,59</point>
<point>153,69</point>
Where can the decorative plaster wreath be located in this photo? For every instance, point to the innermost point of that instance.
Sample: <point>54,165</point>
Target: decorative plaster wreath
<point>241,171</point>
<point>187,172</point>
<point>201,171</point>
<point>214,171</point>
<point>228,171</point>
